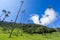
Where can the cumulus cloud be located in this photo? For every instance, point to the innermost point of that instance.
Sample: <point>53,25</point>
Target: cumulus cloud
<point>35,18</point>
<point>47,18</point>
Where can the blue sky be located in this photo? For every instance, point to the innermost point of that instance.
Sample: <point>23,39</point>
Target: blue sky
<point>31,7</point>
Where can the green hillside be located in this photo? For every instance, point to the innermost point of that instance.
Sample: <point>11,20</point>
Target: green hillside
<point>27,32</point>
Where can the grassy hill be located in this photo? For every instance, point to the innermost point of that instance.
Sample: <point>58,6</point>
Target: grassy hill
<point>48,36</point>
<point>28,31</point>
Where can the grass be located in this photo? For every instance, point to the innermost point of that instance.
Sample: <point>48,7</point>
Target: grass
<point>48,36</point>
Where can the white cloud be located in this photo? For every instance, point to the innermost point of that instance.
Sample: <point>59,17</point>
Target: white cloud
<point>44,20</point>
<point>35,18</point>
<point>47,20</point>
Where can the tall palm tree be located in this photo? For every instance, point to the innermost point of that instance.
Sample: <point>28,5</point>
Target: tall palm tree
<point>42,29</point>
<point>6,14</point>
<point>28,21</point>
<point>53,24</point>
<point>4,11</point>
<point>56,14</point>
<point>11,23</point>
<point>16,19</point>
<point>22,18</point>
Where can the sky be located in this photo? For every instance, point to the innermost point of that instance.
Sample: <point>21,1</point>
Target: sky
<point>31,7</point>
<point>49,16</point>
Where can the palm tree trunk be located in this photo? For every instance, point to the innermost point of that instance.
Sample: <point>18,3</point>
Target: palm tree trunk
<point>4,18</point>
<point>21,26</point>
<point>11,32</point>
<point>55,28</point>
<point>15,21</point>
<point>42,30</point>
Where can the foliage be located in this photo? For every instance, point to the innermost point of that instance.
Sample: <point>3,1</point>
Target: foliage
<point>28,28</point>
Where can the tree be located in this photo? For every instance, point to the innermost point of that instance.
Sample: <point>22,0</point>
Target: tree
<point>21,21</point>
<point>6,14</point>
<point>11,24</point>
<point>16,19</point>
<point>42,29</point>
<point>4,11</point>
<point>53,24</point>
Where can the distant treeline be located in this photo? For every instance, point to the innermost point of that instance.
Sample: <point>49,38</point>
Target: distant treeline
<point>28,28</point>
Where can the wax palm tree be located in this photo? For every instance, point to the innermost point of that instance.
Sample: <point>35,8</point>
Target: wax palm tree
<point>16,19</point>
<point>4,11</point>
<point>6,14</point>
<point>28,21</point>
<point>23,11</point>
<point>56,13</point>
<point>53,24</point>
<point>11,23</point>
<point>42,29</point>
<point>22,18</point>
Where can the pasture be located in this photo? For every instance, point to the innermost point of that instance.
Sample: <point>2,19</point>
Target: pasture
<point>4,35</point>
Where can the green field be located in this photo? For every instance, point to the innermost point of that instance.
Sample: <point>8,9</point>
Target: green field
<point>4,35</point>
